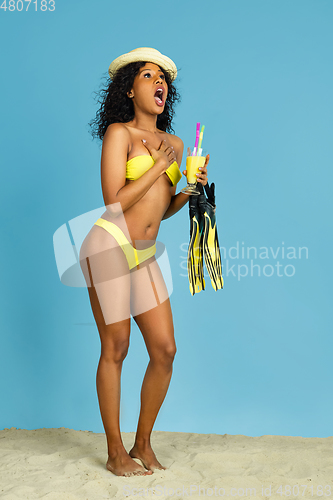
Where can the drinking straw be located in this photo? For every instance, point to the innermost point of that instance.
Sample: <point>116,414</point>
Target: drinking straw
<point>196,139</point>
<point>200,139</point>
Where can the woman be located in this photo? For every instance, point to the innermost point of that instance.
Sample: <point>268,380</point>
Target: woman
<point>139,173</point>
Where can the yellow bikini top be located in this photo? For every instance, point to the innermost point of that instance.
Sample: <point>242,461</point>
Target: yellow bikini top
<point>137,166</point>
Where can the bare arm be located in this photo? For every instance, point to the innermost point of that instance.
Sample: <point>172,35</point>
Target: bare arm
<point>116,143</point>
<point>177,202</point>
<point>129,194</point>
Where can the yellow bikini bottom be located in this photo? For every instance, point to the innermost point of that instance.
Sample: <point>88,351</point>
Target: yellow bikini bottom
<point>134,257</point>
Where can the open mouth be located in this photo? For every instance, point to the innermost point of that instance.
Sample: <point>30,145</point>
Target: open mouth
<point>159,97</point>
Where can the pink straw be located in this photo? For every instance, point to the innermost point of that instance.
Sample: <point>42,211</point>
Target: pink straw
<point>196,140</point>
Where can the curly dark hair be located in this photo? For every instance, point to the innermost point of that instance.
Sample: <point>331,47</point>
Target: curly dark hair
<point>116,106</point>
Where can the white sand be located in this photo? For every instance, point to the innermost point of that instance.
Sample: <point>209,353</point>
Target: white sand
<point>63,464</point>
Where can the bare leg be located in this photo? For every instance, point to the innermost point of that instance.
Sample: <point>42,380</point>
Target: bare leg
<point>107,299</point>
<point>157,329</point>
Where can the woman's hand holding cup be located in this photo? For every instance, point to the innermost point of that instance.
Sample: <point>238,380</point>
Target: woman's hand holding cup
<point>202,177</point>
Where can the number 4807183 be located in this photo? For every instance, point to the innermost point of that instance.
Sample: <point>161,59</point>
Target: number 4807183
<point>20,5</point>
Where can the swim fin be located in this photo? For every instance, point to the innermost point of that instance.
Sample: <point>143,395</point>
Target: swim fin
<point>210,242</point>
<point>195,250</point>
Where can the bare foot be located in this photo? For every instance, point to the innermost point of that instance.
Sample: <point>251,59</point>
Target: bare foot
<point>147,457</point>
<point>123,465</point>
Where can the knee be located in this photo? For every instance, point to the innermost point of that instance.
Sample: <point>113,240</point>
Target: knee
<point>168,354</point>
<point>120,351</point>
<point>165,355</point>
<point>115,351</point>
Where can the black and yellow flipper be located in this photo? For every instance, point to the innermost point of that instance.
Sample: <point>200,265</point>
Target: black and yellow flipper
<point>210,242</point>
<point>195,249</point>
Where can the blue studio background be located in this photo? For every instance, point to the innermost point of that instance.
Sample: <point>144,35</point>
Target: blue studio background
<point>253,358</point>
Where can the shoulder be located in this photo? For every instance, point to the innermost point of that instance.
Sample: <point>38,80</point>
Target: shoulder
<point>117,129</point>
<point>116,141</point>
<point>176,142</point>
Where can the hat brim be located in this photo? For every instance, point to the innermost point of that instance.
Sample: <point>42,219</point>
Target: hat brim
<point>144,54</point>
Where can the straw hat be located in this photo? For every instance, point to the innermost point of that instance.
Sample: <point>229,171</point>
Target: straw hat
<point>144,54</point>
